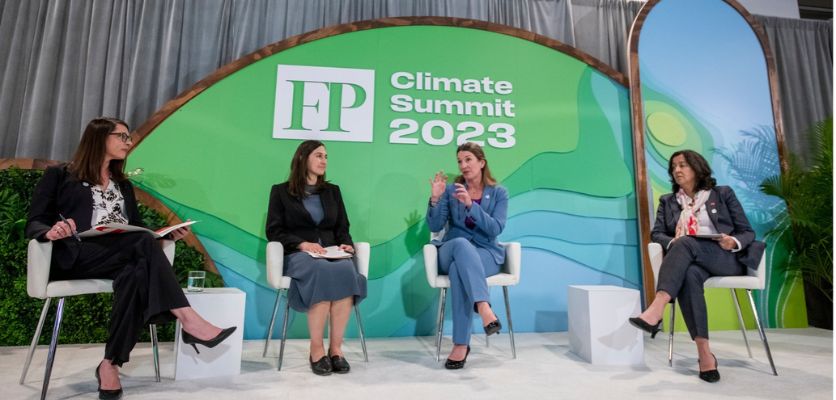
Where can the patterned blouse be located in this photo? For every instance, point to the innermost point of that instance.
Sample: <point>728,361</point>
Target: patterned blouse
<point>108,205</point>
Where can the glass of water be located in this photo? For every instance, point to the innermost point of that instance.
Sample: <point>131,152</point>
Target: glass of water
<point>195,282</point>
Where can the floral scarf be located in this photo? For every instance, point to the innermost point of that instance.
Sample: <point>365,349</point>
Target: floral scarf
<point>688,223</point>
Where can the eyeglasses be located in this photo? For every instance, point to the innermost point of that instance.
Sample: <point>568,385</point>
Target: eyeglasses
<point>123,136</point>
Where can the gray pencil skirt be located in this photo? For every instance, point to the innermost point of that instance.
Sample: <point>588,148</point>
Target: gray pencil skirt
<point>314,280</point>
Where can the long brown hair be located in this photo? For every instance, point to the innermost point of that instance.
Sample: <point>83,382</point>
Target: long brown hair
<point>299,169</point>
<point>487,178</point>
<point>87,162</point>
<point>702,171</point>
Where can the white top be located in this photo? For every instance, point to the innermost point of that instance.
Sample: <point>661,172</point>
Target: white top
<point>108,205</point>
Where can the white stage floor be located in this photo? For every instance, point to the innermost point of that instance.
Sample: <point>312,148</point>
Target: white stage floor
<point>405,368</point>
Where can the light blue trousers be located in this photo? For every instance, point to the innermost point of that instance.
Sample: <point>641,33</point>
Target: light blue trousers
<point>467,266</point>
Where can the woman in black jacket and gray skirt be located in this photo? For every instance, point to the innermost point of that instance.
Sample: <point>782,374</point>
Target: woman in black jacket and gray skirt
<point>307,214</point>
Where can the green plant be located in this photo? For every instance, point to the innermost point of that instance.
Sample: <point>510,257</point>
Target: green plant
<point>808,193</point>
<point>87,317</point>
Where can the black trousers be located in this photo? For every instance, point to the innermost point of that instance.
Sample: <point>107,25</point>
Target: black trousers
<point>687,265</point>
<point>145,288</point>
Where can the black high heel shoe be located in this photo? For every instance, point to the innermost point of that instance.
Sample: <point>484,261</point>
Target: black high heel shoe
<point>189,339</point>
<point>450,364</point>
<point>712,375</point>
<point>651,329</point>
<point>107,394</point>
<point>492,327</point>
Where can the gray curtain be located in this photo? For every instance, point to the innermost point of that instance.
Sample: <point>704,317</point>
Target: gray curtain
<point>803,52</point>
<point>67,61</point>
<point>602,28</point>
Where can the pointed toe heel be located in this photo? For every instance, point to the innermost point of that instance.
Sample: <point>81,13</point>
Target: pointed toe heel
<point>641,324</point>
<point>492,327</point>
<point>210,343</point>
<point>712,375</point>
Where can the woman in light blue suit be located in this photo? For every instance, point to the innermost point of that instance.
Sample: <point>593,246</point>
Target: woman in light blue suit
<point>474,210</point>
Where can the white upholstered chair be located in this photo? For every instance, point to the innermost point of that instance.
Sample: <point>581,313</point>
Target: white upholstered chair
<point>509,275</point>
<point>276,279</point>
<point>754,280</point>
<point>39,286</point>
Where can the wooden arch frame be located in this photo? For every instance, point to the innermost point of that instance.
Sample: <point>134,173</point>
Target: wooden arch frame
<point>637,112</point>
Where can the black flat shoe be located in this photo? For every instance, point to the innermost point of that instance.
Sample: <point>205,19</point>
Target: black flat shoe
<point>450,364</point>
<point>107,394</point>
<point>321,367</point>
<point>651,329</point>
<point>339,364</point>
<point>492,327</point>
<point>712,375</point>
<point>189,339</point>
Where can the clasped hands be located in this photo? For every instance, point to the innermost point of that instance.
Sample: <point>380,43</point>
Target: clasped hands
<point>439,182</point>
<point>311,247</point>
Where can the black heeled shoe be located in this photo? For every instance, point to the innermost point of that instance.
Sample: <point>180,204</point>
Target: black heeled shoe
<point>189,339</point>
<point>321,367</point>
<point>107,394</point>
<point>651,329</point>
<point>712,375</point>
<point>492,327</point>
<point>339,364</point>
<point>451,364</point>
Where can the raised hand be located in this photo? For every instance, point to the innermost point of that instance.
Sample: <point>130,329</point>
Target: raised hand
<point>438,183</point>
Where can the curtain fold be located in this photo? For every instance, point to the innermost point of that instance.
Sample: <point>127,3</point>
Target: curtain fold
<point>803,52</point>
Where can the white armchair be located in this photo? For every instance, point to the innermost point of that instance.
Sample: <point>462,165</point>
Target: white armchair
<point>509,275</point>
<point>754,280</point>
<point>39,286</point>
<point>276,279</point>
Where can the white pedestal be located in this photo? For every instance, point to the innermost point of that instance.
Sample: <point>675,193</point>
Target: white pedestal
<point>223,307</point>
<point>598,328</point>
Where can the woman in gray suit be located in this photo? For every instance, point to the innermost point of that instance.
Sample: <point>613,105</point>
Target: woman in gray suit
<point>474,210</point>
<point>697,209</point>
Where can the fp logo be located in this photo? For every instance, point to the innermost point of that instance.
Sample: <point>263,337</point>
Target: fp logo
<point>324,103</point>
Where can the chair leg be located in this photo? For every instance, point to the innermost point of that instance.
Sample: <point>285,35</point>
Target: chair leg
<point>510,323</point>
<point>272,323</point>
<point>35,339</point>
<point>53,344</point>
<point>284,329</point>
<point>442,298</point>
<point>361,331</point>
<point>762,333</point>
<point>155,350</point>
<point>670,336</point>
<point>740,321</point>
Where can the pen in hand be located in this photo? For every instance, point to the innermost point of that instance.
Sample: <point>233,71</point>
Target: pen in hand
<point>75,234</point>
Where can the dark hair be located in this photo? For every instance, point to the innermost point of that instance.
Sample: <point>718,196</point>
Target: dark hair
<point>299,169</point>
<point>487,178</point>
<point>702,171</point>
<point>87,162</point>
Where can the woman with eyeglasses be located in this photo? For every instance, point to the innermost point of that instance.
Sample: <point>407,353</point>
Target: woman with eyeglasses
<point>92,190</point>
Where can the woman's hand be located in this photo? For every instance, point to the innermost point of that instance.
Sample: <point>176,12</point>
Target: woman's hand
<point>437,184</point>
<point>727,242</point>
<point>311,247</point>
<point>179,233</point>
<point>463,196</point>
<point>347,248</point>
<point>61,230</point>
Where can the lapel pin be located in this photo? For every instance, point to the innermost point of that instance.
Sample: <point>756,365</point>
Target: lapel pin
<point>85,184</point>
<point>714,211</point>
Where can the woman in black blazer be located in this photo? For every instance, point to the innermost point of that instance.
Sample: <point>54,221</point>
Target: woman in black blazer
<point>697,207</point>
<point>307,214</point>
<point>93,190</point>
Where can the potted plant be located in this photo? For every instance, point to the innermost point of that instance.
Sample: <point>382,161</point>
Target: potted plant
<point>808,193</point>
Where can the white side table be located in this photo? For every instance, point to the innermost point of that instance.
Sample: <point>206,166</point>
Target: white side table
<point>223,307</point>
<point>598,328</point>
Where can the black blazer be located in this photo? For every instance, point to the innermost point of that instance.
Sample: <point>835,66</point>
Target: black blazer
<point>59,191</point>
<point>290,223</point>
<point>725,213</point>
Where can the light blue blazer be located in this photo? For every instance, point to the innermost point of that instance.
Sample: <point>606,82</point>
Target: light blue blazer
<point>489,218</point>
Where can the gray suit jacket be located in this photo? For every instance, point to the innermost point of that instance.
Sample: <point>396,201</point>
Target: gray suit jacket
<point>725,213</point>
